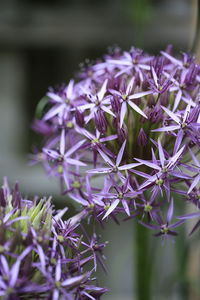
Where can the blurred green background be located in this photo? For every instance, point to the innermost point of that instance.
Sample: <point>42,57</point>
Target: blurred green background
<point>42,43</point>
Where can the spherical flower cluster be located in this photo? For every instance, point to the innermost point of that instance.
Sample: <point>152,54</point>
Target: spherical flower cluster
<point>125,135</point>
<point>41,255</point>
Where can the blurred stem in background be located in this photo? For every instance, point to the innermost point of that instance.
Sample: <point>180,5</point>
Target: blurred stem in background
<point>139,11</point>
<point>193,261</point>
<point>195,28</point>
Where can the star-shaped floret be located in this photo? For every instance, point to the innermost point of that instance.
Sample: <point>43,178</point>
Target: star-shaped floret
<point>97,101</point>
<point>163,226</point>
<point>62,103</point>
<point>125,95</point>
<point>114,167</point>
<point>163,169</point>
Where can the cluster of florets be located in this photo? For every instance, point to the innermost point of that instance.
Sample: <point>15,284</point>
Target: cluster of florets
<point>126,135</point>
<point>41,255</point>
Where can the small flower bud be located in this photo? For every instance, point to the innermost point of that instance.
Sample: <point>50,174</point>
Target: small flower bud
<point>79,118</point>
<point>164,98</point>
<point>155,114</point>
<point>142,138</point>
<point>100,121</point>
<point>145,85</point>
<point>122,133</point>
<point>115,103</point>
<point>42,128</point>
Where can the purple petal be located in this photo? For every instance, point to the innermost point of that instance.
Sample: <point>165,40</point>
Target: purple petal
<point>55,97</point>
<point>175,157</point>
<point>75,162</point>
<point>129,166</point>
<point>194,158</point>
<point>189,216</point>
<point>172,59</point>
<point>122,113</point>
<point>88,187</point>
<point>86,106</point>
<point>58,270</point>
<point>187,111</point>
<point>60,213</point>
<point>140,95</point>
<point>66,178</point>
<point>179,175</point>
<point>17,219</point>
<point>155,78</point>
<point>149,226</point>
<point>194,183</point>
<point>148,163</point>
<point>55,295</point>
<point>4,264</point>
<point>161,153</point>
<point>142,174</point>
<point>53,154</point>
<point>53,112</point>
<point>69,89</point>
<point>150,180</point>
<point>154,160</point>
<point>97,200</point>
<point>137,109</point>
<point>120,154</point>
<point>119,62</point>
<point>100,171</point>
<point>42,257</point>
<point>166,128</point>
<point>172,115</point>
<point>108,138</point>
<point>170,211</point>
<point>115,92</point>
<point>3,286</point>
<point>179,139</point>
<point>25,252</point>
<point>105,157</point>
<point>176,224</point>
<point>74,280</point>
<point>102,91</point>
<point>177,100</point>
<point>74,148</point>
<point>111,208</point>
<point>106,109</point>
<point>130,86</point>
<point>78,199</point>
<point>88,295</point>
<point>126,208</point>
<point>14,273</point>
<point>86,133</point>
<point>8,215</point>
<point>62,142</point>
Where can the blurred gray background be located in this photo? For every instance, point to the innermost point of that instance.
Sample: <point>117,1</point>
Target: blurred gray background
<point>42,43</point>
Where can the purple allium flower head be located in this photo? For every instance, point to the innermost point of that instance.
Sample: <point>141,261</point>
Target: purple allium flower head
<point>136,123</point>
<point>43,256</point>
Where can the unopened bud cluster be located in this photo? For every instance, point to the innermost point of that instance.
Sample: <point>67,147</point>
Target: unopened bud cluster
<point>43,256</point>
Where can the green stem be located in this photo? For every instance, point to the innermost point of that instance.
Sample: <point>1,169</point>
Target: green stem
<point>143,265</point>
